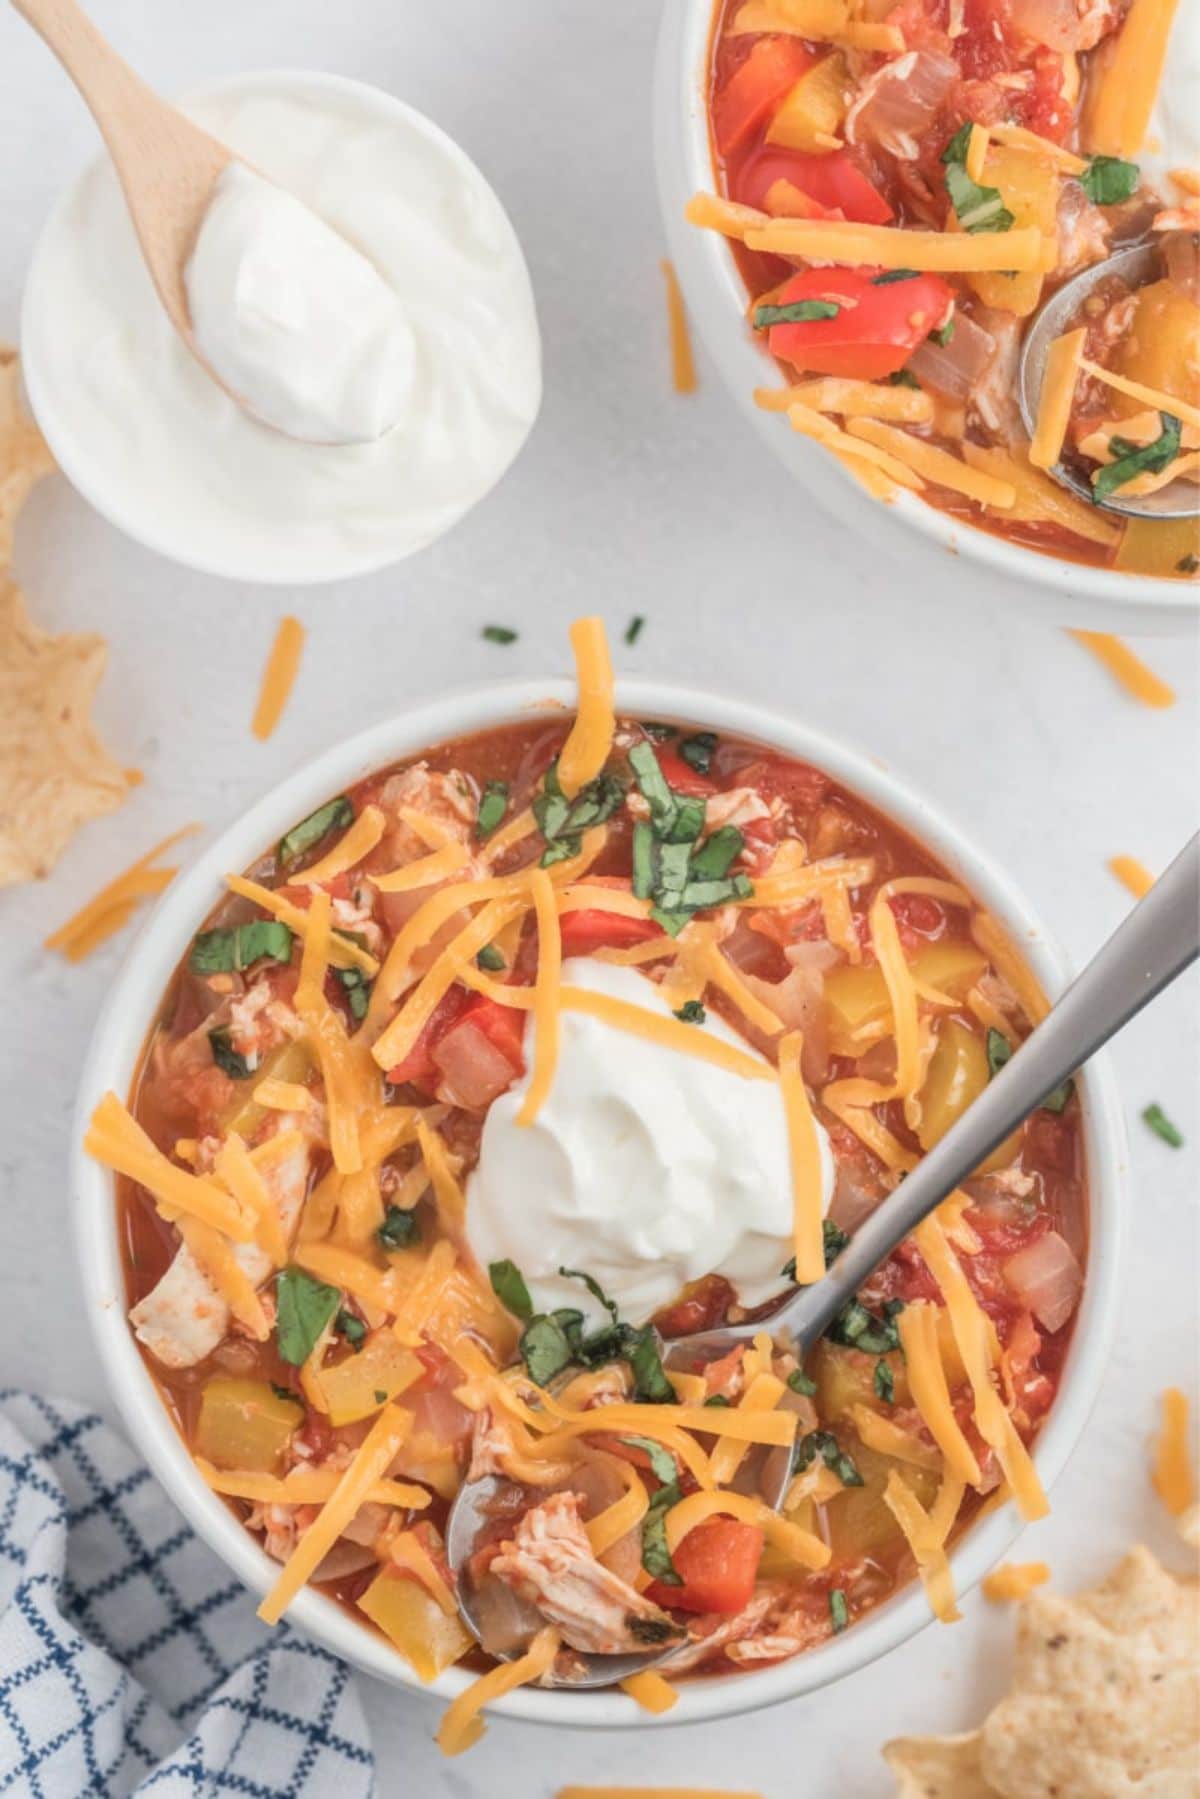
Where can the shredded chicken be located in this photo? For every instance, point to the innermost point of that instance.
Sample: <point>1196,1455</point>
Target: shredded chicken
<point>450,800</point>
<point>1084,233</point>
<point>993,397</point>
<point>549,1562</point>
<point>710,1636</point>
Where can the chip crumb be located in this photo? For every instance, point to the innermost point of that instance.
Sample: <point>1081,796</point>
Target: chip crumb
<point>1105,1701</point>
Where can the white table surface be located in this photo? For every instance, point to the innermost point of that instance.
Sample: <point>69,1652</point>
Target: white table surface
<point>626,499</point>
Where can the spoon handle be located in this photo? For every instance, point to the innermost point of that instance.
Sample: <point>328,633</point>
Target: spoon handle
<point>1155,943</point>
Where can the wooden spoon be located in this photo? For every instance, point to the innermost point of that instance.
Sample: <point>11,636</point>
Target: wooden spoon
<point>167,166</point>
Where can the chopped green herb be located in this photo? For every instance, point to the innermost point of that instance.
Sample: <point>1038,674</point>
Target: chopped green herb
<point>833,1242</point>
<point>227,1059</point>
<point>230,948</point>
<point>498,634</point>
<point>1148,459</point>
<point>357,989</point>
<point>796,312</point>
<point>656,1556</point>
<point>716,856</point>
<point>399,1228</point>
<point>335,815</point>
<point>650,1383</point>
<point>1056,1102</point>
<point>890,275</point>
<point>352,1328</point>
<point>857,1328</point>
<point>800,1382</point>
<point>1109,179</point>
<point>595,1289</point>
<point>977,208</point>
<point>691,1012</point>
<point>545,1348</point>
<point>699,894</point>
<point>884,1383</point>
<point>659,732</point>
<point>823,1443</point>
<point>490,959</point>
<point>903,378</point>
<point>381,1396</point>
<point>662,1462</point>
<point>944,333</point>
<point>303,1308</point>
<point>716,1399</point>
<point>633,629</point>
<point>562,822</point>
<point>838,1612</point>
<point>1162,1127</point>
<point>493,804</point>
<point>999,1051</point>
<point>652,785</point>
<point>286,1393</point>
<point>508,1284</point>
<point>697,750</point>
<point>1187,565</point>
<point>643,860</point>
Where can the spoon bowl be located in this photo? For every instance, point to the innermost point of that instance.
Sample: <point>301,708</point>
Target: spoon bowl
<point>1137,266</point>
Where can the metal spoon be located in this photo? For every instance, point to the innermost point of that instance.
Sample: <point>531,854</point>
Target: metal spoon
<point>1154,945</point>
<point>1136,266</point>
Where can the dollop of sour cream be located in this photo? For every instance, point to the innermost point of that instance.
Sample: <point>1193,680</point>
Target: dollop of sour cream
<point>293,319</point>
<point>645,1167</point>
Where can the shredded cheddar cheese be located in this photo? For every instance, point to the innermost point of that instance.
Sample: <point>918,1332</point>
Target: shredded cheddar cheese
<point>1125,79</point>
<point>935,465</point>
<point>917,1325</point>
<point>1174,1476</point>
<point>810,423</point>
<point>279,675</point>
<point>821,240</point>
<point>343,951</point>
<point>805,1152</point>
<point>1132,874</point>
<point>623,1515</point>
<point>1127,669</point>
<point>762,1394</point>
<point>683,365</point>
<point>801,1545</point>
<point>879,1433</point>
<point>1161,401</point>
<point>115,1138</point>
<point>305,1486</point>
<point>653,1693</point>
<point>853,399</point>
<point>350,848</point>
<point>977,149</point>
<point>589,741</point>
<point>1063,361</point>
<point>922,1537</point>
<point>1016,137</point>
<point>462,1726</point>
<point>107,911</point>
<point>407,1551</point>
<point>546,997</point>
<point>669,1032</point>
<point>1014,1580</point>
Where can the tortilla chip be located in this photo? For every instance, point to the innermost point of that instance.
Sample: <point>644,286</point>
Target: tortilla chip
<point>1105,1701</point>
<point>24,457</point>
<point>55,773</point>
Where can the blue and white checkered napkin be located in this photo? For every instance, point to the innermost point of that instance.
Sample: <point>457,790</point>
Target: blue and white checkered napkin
<point>130,1661</point>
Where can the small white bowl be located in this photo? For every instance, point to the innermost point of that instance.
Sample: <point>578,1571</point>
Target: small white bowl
<point>234,531</point>
<point>1070,593</point>
<point>131,1007</point>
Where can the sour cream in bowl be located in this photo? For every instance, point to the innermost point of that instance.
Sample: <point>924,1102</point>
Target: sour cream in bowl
<point>389,304</point>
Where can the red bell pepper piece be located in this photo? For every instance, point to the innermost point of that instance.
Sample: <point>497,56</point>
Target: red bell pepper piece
<point>877,327</point>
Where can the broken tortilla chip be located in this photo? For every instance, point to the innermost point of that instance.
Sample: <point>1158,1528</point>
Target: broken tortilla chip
<point>1105,1701</point>
<point>55,773</point>
<point>24,456</point>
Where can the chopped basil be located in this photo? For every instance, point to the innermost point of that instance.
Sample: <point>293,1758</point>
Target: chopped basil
<point>903,378</point>
<point>595,1289</point>
<point>545,1348</point>
<point>1147,459</point>
<point>716,856</point>
<point>335,815</point>
<point>697,750</point>
<point>633,629</point>
<point>286,1393</point>
<point>230,948</point>
<point>698,894</point>
<point>352,1328</point>
<point>493,804</point>
<point>508,1284</point>
<point>833,1242</point>
<point>1109,179</point>
<point>381,1396</point>
<point>1162,1127</point>
<point>490,959</point>
<point>652,785</point>
<point>1187,565</point>
<point>800,1382</point>
<point>498,634</point>
<point>796,312</point>
<point>303,1308</point>
<point>691,1012</point>
<point>656,1556</point>
<point>856,1328</point>
<point>357,989</point>
<point>399,1228</point>
<point>838,1613</point>
<point>944,333</point>
<point>227,1059</point>
<point>562,822</point>
<point>716,1399</point>
<point>890,275</point>
<point>884,1383</point>
<point>823,1443</point>
<point>662,1462</point>
<point>643,860</point>
<point>999,1051</point>
<point>977,208</point>
<point>650,1383</point>
<point>1056,1102</point>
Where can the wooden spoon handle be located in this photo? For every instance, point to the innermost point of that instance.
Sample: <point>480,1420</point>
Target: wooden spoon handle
<point>167,166</point>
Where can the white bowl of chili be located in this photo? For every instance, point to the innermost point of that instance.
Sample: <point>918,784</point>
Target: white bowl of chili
<point>133,1004</point>
<point>1006,572</point>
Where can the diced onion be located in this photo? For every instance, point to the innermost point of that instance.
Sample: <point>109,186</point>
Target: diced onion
<point>954,368</point>
<point>474,1070</point>
<point>1047,1278</point>
<point>898,104</point>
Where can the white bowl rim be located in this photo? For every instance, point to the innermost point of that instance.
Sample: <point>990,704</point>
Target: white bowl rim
<point>116,1045</point>
<point>77,462</point>
<point>716,301</point>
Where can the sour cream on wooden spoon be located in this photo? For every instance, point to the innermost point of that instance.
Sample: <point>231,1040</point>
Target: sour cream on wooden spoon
<point>645,1167</point>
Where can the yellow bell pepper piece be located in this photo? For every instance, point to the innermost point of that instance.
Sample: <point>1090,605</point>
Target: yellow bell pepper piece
<point>245,1424</point>
<point>858,996</point>
<point>812,111</point>
<point>361,1383</point>
<point>290,1062</point>
<point>1161,348</point>
<point>1029,187</point>
<point>1168,546</point>
<point>427,1638</point>
<point>957,1073</point>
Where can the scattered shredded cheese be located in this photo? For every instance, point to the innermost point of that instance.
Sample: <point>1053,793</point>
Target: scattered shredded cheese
<point>1174,1476</point>
<point>880,1433</point>
<point>462,1726</point>
<point>683,366</point>
<point>1157,397</point>
<point>1124,80</point>
<point>107,911</point>
<point>890,247</point>
<point>304,1486</point>
<point>810,423</point>
<point>623,1515</point>
<point>279,676</point>
<point>1016,137</point>
<point>922,1537</point>
<point>350,848</point>
<point>671,1033</point>
<point>934,464</point>
<point>1127,669</point>
<point>653,1694</point>
<point>115,1138</point>
<point>589,741</point>
<point>343,952</point>
<point>546,997</point>
<point>805,1153</point>
<point>801,1545</point>
<point>1063,360</point>
<point>853,399</point>
<point>1014,1580</point>
<point>917,1325</point>
<point>1132,874</point>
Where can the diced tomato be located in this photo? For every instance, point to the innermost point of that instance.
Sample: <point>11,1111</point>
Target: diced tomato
<point>779,777</point>
<point>756,87</point>
<point>1046,111</point>
<point>1050,1142</point>
<point>503,1026</point>
<point>681,777</point>
<point>338,887</point>
<point>717,1562</point>
<point>918,918</point>
<point>700,1307</point>
<point>875,330</point>
<point>591,929</point>
<point>418,1065</point>
<point>833,181</point>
